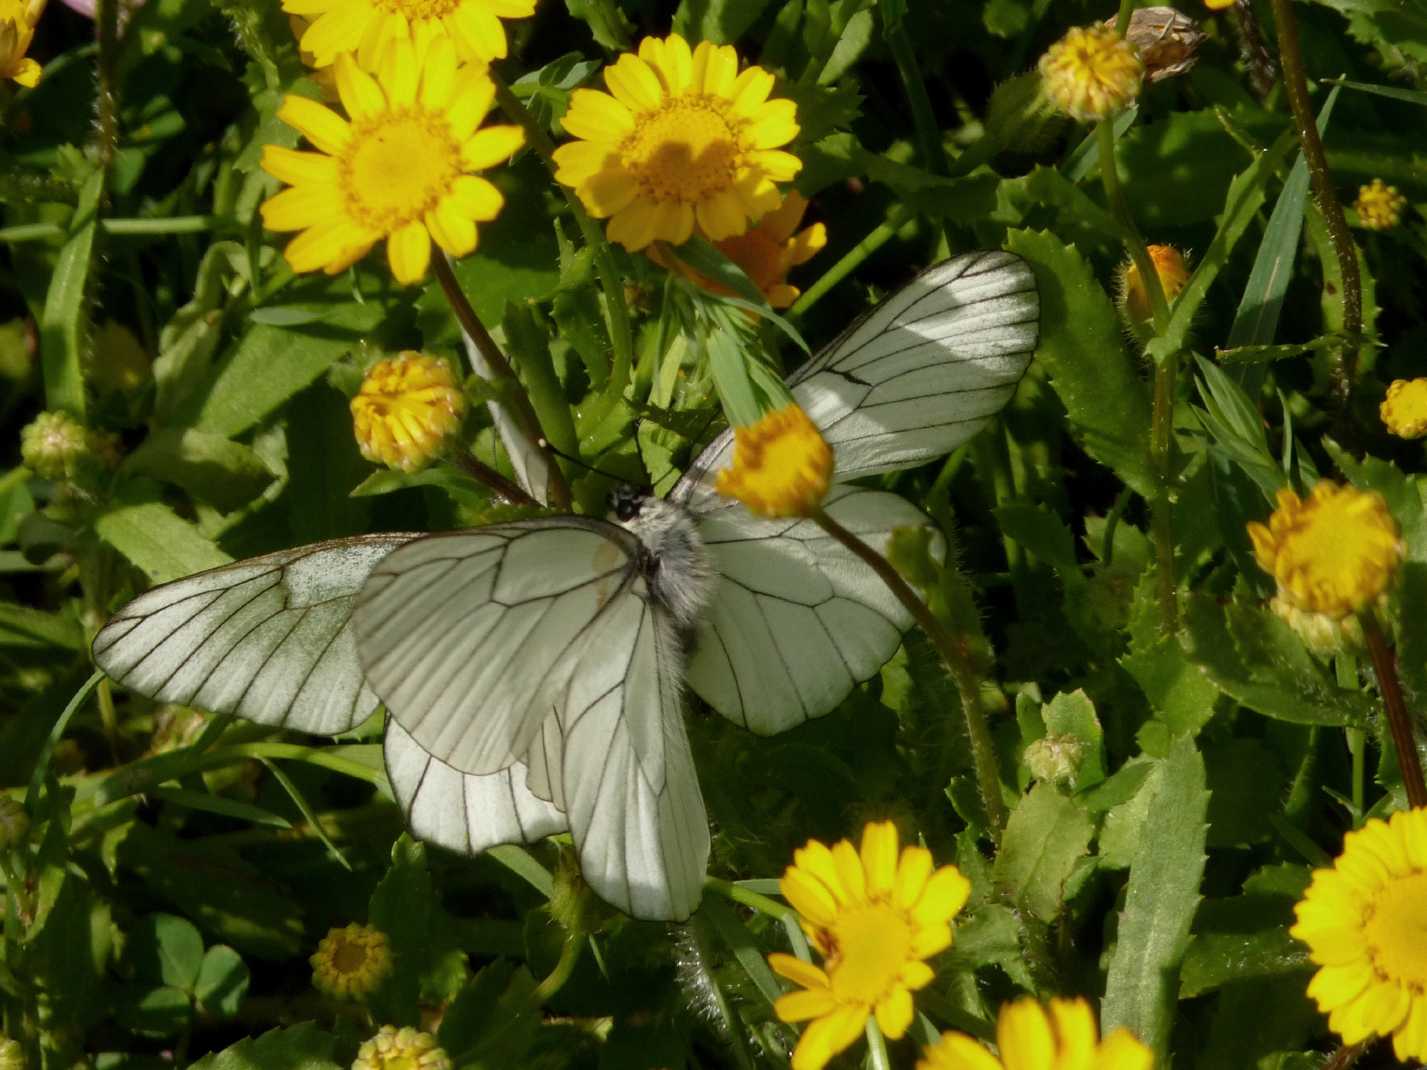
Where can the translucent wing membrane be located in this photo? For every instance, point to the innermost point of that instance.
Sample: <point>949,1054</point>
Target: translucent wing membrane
<point>796,620</point>
<point>915,378</point>
<point>467,636</point>
<point>461,811</point>
<point>268,639</point>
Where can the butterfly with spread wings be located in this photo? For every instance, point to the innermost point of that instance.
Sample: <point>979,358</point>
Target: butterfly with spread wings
<point>533,671</point>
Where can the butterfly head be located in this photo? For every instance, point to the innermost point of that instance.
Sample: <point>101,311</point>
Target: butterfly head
<point>626,502</point>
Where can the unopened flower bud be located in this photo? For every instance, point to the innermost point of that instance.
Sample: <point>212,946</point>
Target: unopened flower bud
<point>53,445</point>
<point>407,409</point>
<point>1379,206</point>
<point>1091,73</point>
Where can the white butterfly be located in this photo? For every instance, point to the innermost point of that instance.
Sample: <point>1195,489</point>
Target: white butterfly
<point>533,670</point>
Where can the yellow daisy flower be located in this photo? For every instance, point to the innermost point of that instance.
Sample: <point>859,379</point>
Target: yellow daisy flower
<point>1364,921</point>
<point>1379,206</point>
<point>1404,410</point>
<point>368,27</point>
<point>875,916</point>
<point>1031,1037</point>
<point>17,27</point>
<point>351,962</point>
<point>766,252</point>
<point>685,142</point>
<point>399,169</point>
<point>406,410</point>
<point>1334,554</point>
<point>1091,73</point>
<point>782,465</point>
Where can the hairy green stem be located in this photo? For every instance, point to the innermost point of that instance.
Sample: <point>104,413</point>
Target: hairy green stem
<point>1399,721</point>
<point>621,335</point>
<point>564,969</point>
<point>1295,82</point>
<point>958,662</point>
<point>513,391</point>
<point>1134,244</point>
<point>897,217</point>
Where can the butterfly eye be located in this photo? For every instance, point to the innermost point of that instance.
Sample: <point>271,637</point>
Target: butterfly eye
<point>625,503</point>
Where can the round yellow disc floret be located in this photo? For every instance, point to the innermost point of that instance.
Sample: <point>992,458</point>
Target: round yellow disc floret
<point>401,1049</point>
<point>351,962</point>
<point>781,467</point>
<point>1091,73</point>
<point>1335,553</point>
<point>1379,206</point>
<point>1404,410</point>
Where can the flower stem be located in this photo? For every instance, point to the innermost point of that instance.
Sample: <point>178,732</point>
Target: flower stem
<point>513,389</point>
<point>1134,244</point>
<point>963,672</point>
<point>621,335</point>
<point>484,473</point>
<point>564,968</point>
<point>898,216</point>
<point>183,224</point>
<point>1295,82</point>
<point>1399,721</point>
<point>764,905</point>
<point>876,1046</point>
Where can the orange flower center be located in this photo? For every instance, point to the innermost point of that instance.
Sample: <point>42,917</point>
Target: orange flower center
<point>397,166</point>
<point>869,945</point>
<point>1396,932</point>
<point>686,151</point>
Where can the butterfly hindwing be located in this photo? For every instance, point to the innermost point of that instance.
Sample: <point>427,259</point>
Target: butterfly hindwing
<point>796,620</point>
<point>268,639</point>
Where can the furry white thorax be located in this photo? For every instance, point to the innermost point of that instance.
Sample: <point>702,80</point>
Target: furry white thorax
<point>679,574</point>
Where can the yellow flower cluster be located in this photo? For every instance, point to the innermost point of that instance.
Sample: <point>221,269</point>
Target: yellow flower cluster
<point>1363,920</point>
<point>1404,410</point>
<point>1091,73</point>
<point>781,467</point>
<point>401,1049</point>
<point>1334,554</point>
<point>1379,206</point>
<point>875,915</point>
<point>18,19</point>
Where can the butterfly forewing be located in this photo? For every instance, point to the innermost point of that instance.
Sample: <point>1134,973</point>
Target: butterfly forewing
<point>268,639</point>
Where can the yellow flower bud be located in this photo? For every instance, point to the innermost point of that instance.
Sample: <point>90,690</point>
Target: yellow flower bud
<point>401,1049</point>
<point>350,963</point>
<point>1333,554</point>
<point>781,467</point>
<point>1091,73</point>
<point>406,410</point>
<point>1173,273</point>
<point>1379,206</point>
<point>1404,410</point>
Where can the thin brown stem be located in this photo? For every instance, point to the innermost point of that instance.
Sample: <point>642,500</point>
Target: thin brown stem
<point>1346,1056</point>
<point>1399,721</point>
<point>513,392</point>
<point>1162,508</point>
<point>958,662</point>
<point>471,465</point>
<point>1295,81</point>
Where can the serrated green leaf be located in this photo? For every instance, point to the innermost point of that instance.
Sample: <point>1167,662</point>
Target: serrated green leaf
<point>211,468</point>
<point>1160,902</point>
<point>1046,835</point>
<point>65,319</point>
<point>1105,398</point>
<point>405,907</point>
<point>302,1047</point>
<point>155,538</point>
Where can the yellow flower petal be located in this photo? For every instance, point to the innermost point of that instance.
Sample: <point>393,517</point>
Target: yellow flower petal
<point>321,126</point>
<point>957,1051</point>
<point>945,894</point>
<point>827,1036</point>
<point>409,253</point>
<point>451,228</point>
<point>1076,1033</point>
<point>299,168</point>
<point>320,246</point>
<point>879,858</point>
<point>849,871</point>
<point>597,116</point>
<point>438,76</point>
<point>633,227</point>
<point>913,871</point>
<point>299,207</point>
<point>775,125</point>
<point>808,896</point>
<point>491,146</point>
<point>894,1013</point>
<point>803,1004</point>
<point>797,971</point>
<point>1122,1051</point>
<point>634,84</point>
<point>479,30</point>
<point>1023,1034</point>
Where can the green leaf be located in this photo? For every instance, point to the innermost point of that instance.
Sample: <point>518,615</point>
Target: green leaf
<point>1254,658</point>
<point>1256,322</point>
<point>162,1011</point>
<point>155,538</point>
<point>211,468</point>
<point>721,21</point>
<point>1246,195</point>
<point>1071,716</point>
<point>1047,834</point>
<point>217,804</point>
<point>167,949</point>
<point>1392,92</point>
<point>302,1047</point>
<point>65,319</point>
<point>1104,397</point>
<point>21,626</point>
<point>222,982</point>
<point>1160,901</point>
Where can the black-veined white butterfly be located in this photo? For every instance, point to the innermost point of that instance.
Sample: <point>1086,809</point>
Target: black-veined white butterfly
<point>533,670</point>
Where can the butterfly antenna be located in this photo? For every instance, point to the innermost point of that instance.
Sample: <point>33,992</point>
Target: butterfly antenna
<point>546,444</point>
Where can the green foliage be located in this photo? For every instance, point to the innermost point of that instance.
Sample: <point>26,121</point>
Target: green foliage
<point>1172,759</point>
